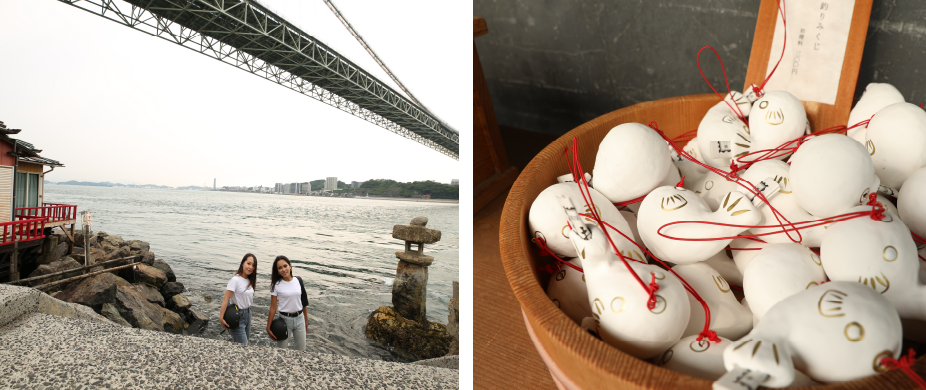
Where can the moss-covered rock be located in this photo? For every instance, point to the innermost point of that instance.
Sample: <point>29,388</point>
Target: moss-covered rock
<point>424,340</point>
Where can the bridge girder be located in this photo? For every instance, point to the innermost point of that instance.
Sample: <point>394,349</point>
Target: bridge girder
<point>250,37</point>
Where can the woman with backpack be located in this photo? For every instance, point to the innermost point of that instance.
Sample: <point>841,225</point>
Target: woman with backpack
<point>287,294</point>
<point>240,294</point>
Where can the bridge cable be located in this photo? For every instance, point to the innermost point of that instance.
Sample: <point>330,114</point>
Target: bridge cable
<point>381,64</point>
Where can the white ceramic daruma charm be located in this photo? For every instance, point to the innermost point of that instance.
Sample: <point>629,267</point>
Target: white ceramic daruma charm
<point>619,303</point>
<point>546,217</point>
<point>567,291</point>
<point>896,141</point>
<point>726,267</point>
<point>672,204</point>
<point>830,174</point>
<point>785,202</point>
<point>729,318</point>
<point>632,160</point>
<point>836,332</point>
<point>688,169</point>
<point>880,255</point>
<point>777,272</point>
<point>702,359</point>
<point>744,250</point>
<point>876,97</point>
<point>911,203</point>
<point>718,124</point>
<point>776,118</point>
<point>712,188</point>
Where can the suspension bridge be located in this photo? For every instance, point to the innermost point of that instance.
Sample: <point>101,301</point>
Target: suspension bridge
<point>250,37</point>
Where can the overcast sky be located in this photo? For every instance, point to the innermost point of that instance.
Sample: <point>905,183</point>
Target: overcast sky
<point>115,104</point>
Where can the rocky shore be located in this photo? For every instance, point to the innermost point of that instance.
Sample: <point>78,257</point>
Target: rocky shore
<point>145,296</point>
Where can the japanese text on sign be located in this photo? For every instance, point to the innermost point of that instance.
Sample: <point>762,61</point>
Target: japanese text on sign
<point>817,35</point>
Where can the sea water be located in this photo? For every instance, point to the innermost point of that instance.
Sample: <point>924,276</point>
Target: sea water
<point>341,247</point>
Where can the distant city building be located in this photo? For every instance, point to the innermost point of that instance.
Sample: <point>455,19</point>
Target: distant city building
<point>331,183</point>
<point>278,188</point>
<point>355,184</point>
<point>454,182</point>
<point>213,184</point>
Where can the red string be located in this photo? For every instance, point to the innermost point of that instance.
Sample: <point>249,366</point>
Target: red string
<point>758,90</point>
<point>681,183</point>
<point>742,183</point>
<point>744,249</point>
<point>688,287</point>
<point>576,168</point>
<point>735,108</point>
<point>904,363</point>
<point>653,287</point>
<point>787,148</point>
<point>578,174</point>
<point>917,238</point>
<point>545,251</point>
<point>736,287</point>
<point>794,226</point>
<point>686,136</point>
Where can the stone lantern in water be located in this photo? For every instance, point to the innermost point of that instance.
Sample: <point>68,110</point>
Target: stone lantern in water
<point>409,291</point>
<point>404,325</point>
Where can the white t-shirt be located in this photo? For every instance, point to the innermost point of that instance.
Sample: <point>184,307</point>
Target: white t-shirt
<point>289,295</point>
<point>242,294</point>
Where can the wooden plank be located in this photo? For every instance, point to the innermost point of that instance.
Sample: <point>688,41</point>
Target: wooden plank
<point>501,345</point>
<point>821,115</point>
<point>479,27</point>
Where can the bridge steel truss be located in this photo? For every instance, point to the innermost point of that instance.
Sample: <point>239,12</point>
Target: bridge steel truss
<point>250,37</point>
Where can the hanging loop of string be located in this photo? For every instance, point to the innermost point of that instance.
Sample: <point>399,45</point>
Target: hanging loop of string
<point>904,364</point>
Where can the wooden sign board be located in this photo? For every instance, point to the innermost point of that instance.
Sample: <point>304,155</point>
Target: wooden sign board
<point>821,115</point>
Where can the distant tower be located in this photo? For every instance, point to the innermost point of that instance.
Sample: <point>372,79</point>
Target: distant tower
<point>331,183</point>
<point>213,184</point>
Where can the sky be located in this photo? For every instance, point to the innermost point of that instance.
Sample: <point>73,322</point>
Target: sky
<point>115,104</point>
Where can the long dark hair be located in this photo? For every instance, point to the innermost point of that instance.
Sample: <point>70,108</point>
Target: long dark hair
<point>275,276</point>
<point>252,278</point>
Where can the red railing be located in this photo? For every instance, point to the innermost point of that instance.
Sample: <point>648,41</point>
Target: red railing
<point>25,228</point>
<point>51,212</point>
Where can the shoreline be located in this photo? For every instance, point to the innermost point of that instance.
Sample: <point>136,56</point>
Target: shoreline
<point>457,201</point>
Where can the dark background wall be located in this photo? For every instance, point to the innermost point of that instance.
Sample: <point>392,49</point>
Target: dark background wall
<point>552,65</point>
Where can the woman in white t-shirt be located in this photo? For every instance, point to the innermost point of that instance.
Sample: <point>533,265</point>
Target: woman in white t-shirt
<point>286,295</point>
<point>240,292</point>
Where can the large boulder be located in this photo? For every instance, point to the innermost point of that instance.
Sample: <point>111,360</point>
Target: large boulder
<point>94,291</point>
<point>170,289</point>
<point>116,253</point>
<point>135,309</point>
<point>196,319</point>
<point>179,303</point>
<point>115,241</point>
<point>147,274</point>
<point>138,246</point>
<point>148,258</point>
<point>163,266</point>
<point>171,322</point>
<point>111,313</point>
<point>151,294</point>
<point>54,254</point>
<point>57,266</point>
<point>424,341</point>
